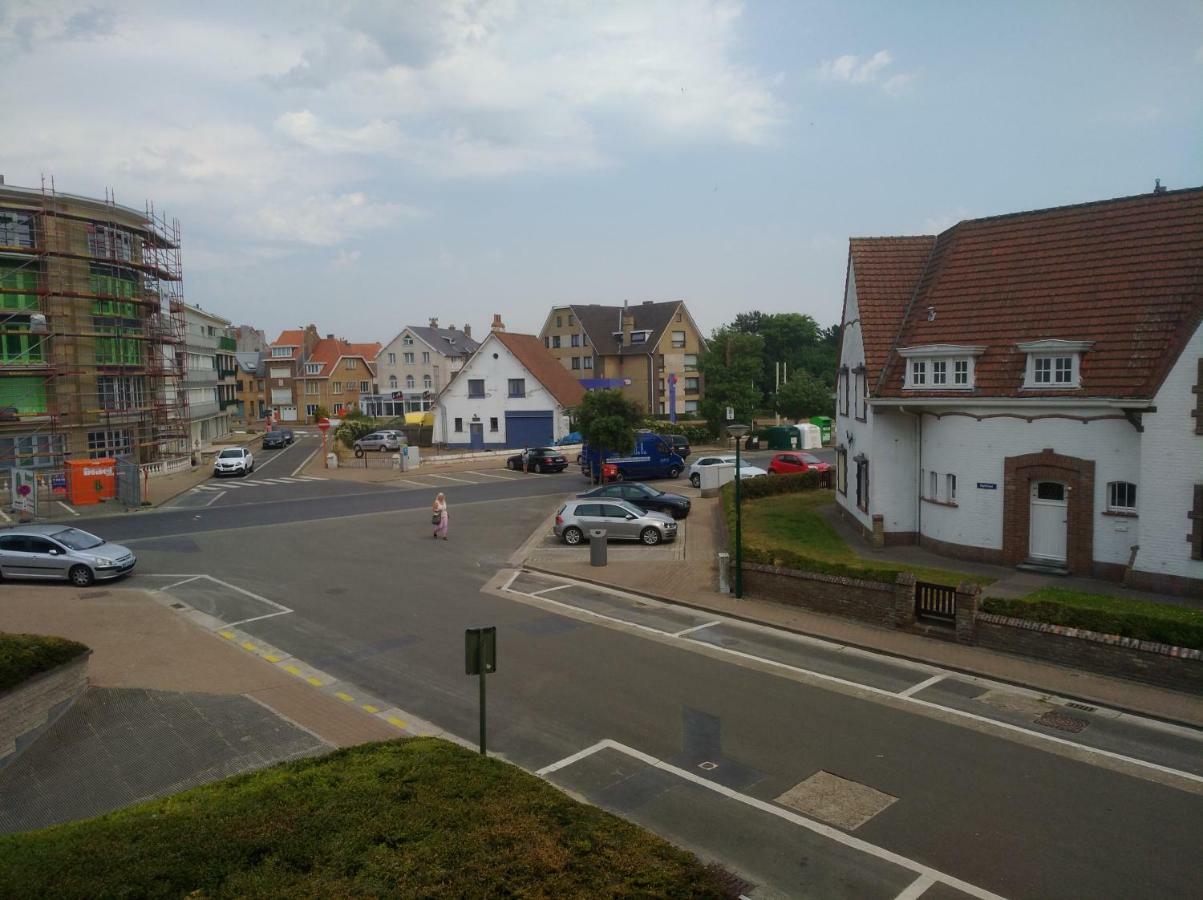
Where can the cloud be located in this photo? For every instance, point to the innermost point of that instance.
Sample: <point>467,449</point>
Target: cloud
<point>852,69</point>
<point>321,220</point>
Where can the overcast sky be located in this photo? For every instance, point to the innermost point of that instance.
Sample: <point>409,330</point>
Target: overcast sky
<point>366,165</point>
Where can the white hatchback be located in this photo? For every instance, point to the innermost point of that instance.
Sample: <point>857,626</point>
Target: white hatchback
<point>234,461</point>
<point>745,470</point>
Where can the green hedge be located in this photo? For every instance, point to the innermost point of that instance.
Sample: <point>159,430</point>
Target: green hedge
<point>1159,622</point>
<point>23,656</point>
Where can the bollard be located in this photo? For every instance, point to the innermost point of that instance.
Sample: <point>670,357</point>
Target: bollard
<point>724,573</point>
<point>597,546</point>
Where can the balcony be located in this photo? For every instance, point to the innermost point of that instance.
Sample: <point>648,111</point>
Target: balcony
<point>203,410</point>
<point>200,376</point>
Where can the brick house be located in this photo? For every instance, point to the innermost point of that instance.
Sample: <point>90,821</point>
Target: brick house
<point>1028,389</point>
<point>337,374</point>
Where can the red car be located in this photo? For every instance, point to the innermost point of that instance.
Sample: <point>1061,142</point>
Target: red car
<point>787,463</point>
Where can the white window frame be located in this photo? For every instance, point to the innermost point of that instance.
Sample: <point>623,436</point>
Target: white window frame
<point>313,368</point>
<point>587,362</point>
<point>950,488</point>
<point>939,367</point>
<point>282,352</point>
<point>1113,488</point>
<point>933,485</point>
<point>1051,352</point>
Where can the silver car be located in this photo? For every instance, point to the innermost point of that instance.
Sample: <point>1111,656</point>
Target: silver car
<point>59,551</point>
<point>620,519</point>
<point>380,440</point>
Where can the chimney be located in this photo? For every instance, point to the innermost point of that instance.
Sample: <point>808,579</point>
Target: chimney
<point>451,328</point>
<point>467,331</point>
<point>498,325</point>
<point>329,337</point>
<point>1,179</point>
<point>434,322</point>
<point>628,323</point>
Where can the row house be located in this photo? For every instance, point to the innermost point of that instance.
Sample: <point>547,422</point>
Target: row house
<point>336,374</point>
<point>415,366</point>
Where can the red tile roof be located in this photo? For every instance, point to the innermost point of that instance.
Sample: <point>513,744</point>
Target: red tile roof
<point>549,371</point>
<point>1126,274</point>
<point>886,271</point>
<point>294,338</point>
<point>328,351</point>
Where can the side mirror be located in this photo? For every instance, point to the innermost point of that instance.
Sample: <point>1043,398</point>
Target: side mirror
<point>630,516</point>
<point>53,552</point>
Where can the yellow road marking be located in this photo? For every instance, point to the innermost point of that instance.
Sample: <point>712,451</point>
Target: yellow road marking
<point>316,682</point>
<point>341,696</point>
<point>228,635</point>
<point>370,708</point>
<point>292,670</point>
<point>393,720</point>
<point>270,658</point>
<point>247,645</point>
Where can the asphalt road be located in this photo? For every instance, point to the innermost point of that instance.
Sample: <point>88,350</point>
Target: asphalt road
<point>375,601</point>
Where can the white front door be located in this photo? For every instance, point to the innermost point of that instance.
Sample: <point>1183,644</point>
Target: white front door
<point>1049,516</point>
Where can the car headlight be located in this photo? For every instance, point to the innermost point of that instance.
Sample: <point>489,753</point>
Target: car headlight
<point>104,561</point>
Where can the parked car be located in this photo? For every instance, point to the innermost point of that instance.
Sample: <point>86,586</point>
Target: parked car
<point>287,432</point>
<point>234,461</point>
<point>651,458</point>
<point>573,437</point>
<point>58,551</point>
<point>644,496</point>
<point>679,444</point>
<point>274,440</point>
<point>380,440</point>
<point>788,463</point>
<point>745,470</point>
<point>620,519</point>
<point>538,459</point>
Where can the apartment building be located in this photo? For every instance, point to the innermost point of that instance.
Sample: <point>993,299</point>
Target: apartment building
<point>91,333</point>
<point>249,388</point>
<point>210,376</point>
<point>284,364</point>
<point>647,350</point>
<point>415,365</point>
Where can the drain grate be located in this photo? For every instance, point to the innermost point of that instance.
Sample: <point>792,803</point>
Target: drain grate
<point>1062,722</point>
<point>1081,706</point>
<point>178,606</point>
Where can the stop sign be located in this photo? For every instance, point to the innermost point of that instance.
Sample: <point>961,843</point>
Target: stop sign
<point>323,424</point>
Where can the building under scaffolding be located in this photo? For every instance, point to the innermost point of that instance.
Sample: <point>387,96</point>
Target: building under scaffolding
<point>91,332</point>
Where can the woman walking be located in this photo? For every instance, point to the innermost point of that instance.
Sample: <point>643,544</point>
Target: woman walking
<point>439,516</point>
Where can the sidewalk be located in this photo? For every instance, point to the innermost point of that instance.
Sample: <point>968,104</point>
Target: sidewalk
<point>692,581</point>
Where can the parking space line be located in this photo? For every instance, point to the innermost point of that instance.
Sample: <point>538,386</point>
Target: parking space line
<point>916,688</point>
<point>696,628</point>
<point>916,888</point>
<point>282,612</point>
<point>558,587</point>
<point>66,507</point>
<point>216,497</point>
<point>794,818</point>
<point>488,475</point>
<point>178,583</point>
<point>449,478</point>
<point>416,483</point>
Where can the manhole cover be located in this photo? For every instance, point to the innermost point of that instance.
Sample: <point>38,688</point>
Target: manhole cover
<point>1062,722</point>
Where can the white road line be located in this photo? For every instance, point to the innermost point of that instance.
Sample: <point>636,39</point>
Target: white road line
<point>881,692</point>
<point>286,480</point>
<point>916,688</point>
<point>258,618</point>
<point>916,888</point>
<point>794,818</point>
<point>226,584</point>
<point>216,497</point>
<point>310,478</point>
<point>696,628</point>
<point>449,478</point>
<point>416,483</point>
<point>178,583</point>
<point>306,462</point>
<point>66,507</point>
<point>558,587</point>
<point>487,475</point>
<point>274,481</point>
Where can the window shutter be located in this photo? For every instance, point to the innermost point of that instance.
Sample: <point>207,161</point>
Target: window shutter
<point>1196,516</point>
<point>1197,412</point>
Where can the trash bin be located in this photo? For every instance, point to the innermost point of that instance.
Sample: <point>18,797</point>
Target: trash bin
<point>825,427</point>
<point>597,546</point>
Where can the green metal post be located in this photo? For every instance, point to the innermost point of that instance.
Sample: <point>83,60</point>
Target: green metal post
<point>739,558</point>
<point>480,661</point>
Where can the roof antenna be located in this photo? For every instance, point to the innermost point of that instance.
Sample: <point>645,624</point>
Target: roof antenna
<point>1158,187</point>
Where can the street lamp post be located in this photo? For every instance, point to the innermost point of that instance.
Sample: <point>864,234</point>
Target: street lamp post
<point>737,432</point>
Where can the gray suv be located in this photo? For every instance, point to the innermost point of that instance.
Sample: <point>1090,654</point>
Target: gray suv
<point>380,440</point>
<point>59,551</point>
<point>620,519</point>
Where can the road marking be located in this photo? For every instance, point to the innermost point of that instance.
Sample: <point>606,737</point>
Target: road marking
<point>393,720</point>
<point>66,507</point>
<point>272,658</point>
<point>916,888</point>
<point>369,708</point>
<point>881,692</point>
<point>487,475</point>
<point>311,478</point>
<point>228,635</point>
<point>292,670</point>
<point>316,682</point>
<point>306,462</point>
<point>341,696</point>
<point>696,628</point>
<point>794,818</point>
<point>558,587</point>
<point>247,645</point>
<point>286,480</point>
<point>216,497</point>
<point>449,478</point>
<point>417,483</point>
<point>259,618</point>
<point>178,583</point>
<point>916,688</point>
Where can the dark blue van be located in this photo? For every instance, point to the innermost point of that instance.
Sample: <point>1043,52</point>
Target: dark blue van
<point>651,458</point>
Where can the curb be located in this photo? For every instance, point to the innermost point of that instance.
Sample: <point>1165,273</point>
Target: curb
<point>960,670</point>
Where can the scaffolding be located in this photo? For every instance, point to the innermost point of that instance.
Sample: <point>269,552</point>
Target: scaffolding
<point>91,331</point>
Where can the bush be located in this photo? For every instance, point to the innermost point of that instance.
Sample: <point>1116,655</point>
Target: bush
<point>1158,622</point>
<point>23,656</point>
<point>773,485</point>
<point>352,430</point>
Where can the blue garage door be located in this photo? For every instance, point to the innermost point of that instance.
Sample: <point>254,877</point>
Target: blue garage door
<point>528,428</point>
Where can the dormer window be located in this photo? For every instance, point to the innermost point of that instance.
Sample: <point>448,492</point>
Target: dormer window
<point>1053,364</point>
<point>939,367</point>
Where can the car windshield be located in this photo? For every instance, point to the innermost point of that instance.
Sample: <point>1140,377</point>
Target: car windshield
<point>230,454</point>
<point>75,539</point>
<point>811,460</point>
<point>646,491</point>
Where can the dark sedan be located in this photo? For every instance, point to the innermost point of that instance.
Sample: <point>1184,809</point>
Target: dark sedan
<point>538,459</point>
<point>645,497</point>
<point>274,440</point>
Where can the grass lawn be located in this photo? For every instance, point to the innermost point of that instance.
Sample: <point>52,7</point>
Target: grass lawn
<point>1164,623</point>
<point>407,818</point>
<point>23,656</point>
<point>793,525</point>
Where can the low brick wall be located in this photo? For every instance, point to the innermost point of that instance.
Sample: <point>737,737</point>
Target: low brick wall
<point>28,709</point>
<point>1108,654</point>
<point>866,601</point>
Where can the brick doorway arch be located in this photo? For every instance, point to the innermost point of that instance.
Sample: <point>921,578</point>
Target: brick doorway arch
<point>1078,474</point>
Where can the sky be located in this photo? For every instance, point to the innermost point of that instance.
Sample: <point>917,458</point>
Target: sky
<point>369,165</point>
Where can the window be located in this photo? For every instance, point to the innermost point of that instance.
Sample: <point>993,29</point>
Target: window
<point>939,372</point>
<point>862,483</point>
<point>691,361</point>
<point>31,451</point>
<point>638,337</point>
<point>576,340</point>
<point>571,320</point>
<point>555,342</point>
<point>559,322</point>
<point>547,342</point>
<point>691,406</point>
<point>313,368</point>
<point>1053,364</point>
<point>392,382</point>
<point>392,359</point>
<point>364,387</point>
<point>933,485</point>
<point>950,488</point>
<point>492,423</point>
<point>844,389</point>
<point>587,362</point>
<point>119,392</point>
<point>960,372</point>
<point>576,362</point>
<point>476,387</point>
<point>338,409</point>
<point>1121,496</point>
<point>407,341</point>
<point>678,339</point>
<point>16,228</point>
<point>109,443</point>
<point>517,387</point>
<point>584,340</point>
<point>459,424</point>
<point>409,382</point>
<point>310,409</point>
<point>841,470</point>
<point>312,388</point>
<point>860,395</point>
<point>279,352</point>
<point>1196,517</point>
<point>692,385</point>
<point>352,364</point>
<point>18,346</point>
<point>427,382</point>
<point>918,372</point>
<point>408,358</point>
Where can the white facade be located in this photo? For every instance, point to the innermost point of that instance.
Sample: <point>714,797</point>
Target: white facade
<point>207,421</point>
<point>460,411</point>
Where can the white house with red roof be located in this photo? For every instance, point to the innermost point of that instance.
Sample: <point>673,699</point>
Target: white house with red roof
<point>1027,389</point>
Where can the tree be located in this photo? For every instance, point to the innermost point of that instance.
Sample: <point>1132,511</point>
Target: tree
<point>792,339</point>
<point>731,365</point>
<point>607,421</point>
<point>804,396</point>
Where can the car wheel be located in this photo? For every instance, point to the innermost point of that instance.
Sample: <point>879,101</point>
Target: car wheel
<point>573,536</point>
<point>359,452</point>
<point>696,480</point>
<point>81,576</point>
<point>650,536</point>
<point>674,471</point>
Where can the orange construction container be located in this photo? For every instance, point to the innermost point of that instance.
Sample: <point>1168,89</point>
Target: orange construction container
<point>91,480</point>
